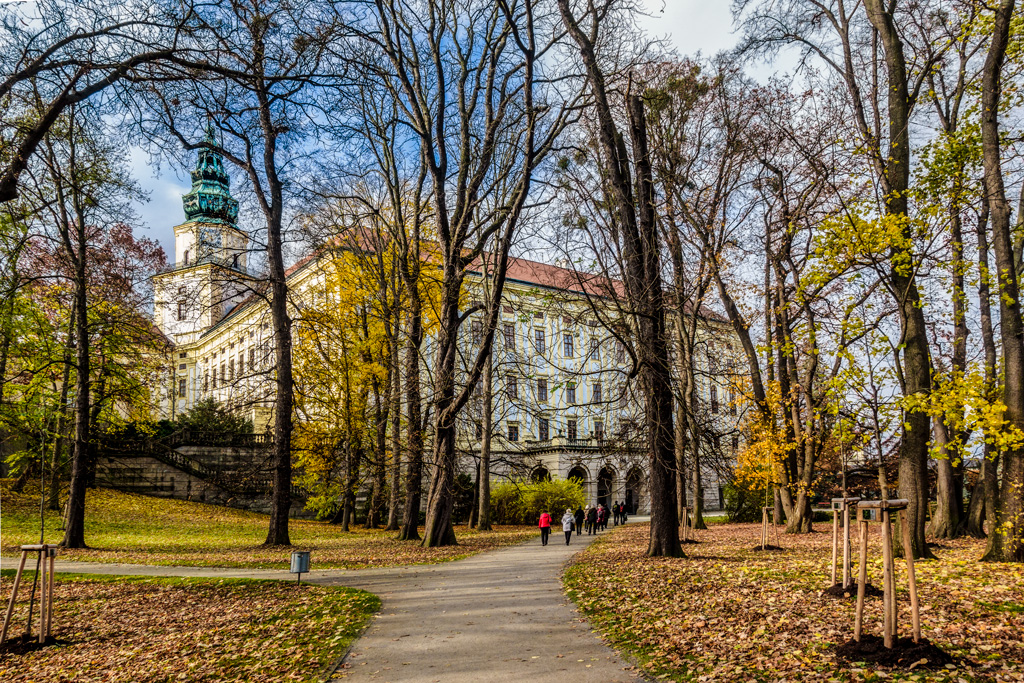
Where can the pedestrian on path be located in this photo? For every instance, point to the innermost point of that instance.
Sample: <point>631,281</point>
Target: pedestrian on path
<point>592,521</point>
<point>615,512</point>
<point>545,527</point>
<point>580,517</point>
<point>567,522</point>
<point>602,517</point>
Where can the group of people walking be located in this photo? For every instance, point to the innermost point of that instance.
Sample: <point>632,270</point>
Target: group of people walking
<point>588,519</point>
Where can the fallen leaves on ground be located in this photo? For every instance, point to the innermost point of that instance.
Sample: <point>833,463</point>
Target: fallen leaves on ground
<point>726,613</point>
<point>123,527</point>
<point>141,630</point>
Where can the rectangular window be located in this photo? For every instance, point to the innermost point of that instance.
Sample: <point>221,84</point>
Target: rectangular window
<point>510,335</point>
<point>716,443</point>
<point>735,444</point>
<point>513,432</point>
<point>596,398</point>
<point>544,429</point>
<point>252,358</point>
<point>479,430</point>
<point>732,402</point>
<point>213,376</point>
<point>714,399</point>
<point>231,369</point>
<point>570,393</point>
<point>542,390</point>
<point>223,373</point>
<point>599,429</point>
<point>512,387</point>
<point>181,387</point>
<point>570,428</point>
<point>181,303</point>
<point>620,352</point>
<point>478,331</point>
<point>595,349</point>
<point>567,349</point>
<point>538,341</point>
<point>206,382</point>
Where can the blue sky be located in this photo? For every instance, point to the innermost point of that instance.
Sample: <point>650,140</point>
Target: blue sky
<point>690,25</point>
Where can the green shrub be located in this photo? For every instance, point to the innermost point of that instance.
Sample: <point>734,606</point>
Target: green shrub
<point>208,415</point>
<point>743,502</point>
<point>522,502</point>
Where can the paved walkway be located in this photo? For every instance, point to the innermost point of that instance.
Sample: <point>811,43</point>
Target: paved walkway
<point>497,616</point>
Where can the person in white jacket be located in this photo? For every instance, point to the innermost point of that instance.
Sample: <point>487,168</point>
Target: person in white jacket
<point>567,523</point>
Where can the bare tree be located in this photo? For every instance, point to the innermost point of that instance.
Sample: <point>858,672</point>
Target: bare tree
<point>464,74</point>
<point>258,93</point>
<point>58,53</point>
<point>633,217</point>
<point>1006,543</point>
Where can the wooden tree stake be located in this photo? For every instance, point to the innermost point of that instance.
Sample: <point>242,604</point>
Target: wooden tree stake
<point>862,580</point>
<point>835,543</point>
<point>14,594</point>
<point>846,547</point>
<point>888,599</point>
<point>911,577</point>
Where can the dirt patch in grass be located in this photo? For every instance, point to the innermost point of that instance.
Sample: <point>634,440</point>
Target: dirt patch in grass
<point>728,613</point>
<point>143,630</point>
<point>134,529</point>
<point>838,591</point>
<point>904,653</point>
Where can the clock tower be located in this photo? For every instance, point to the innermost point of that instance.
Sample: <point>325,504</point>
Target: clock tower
<point>209,275</point>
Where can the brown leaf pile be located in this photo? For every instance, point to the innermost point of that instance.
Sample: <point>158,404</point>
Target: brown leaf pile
<point>122,527</point>
<point>143,630</point>
<point>727,613</point>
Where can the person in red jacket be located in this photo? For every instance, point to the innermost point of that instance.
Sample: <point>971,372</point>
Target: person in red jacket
<point>545,527</point>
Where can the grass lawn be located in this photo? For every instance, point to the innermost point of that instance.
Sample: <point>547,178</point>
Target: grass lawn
<point>728,613</point>
<point>143,629</point>
<point>121,527</point>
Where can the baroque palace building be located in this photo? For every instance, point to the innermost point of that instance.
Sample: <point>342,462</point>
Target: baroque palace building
<point>562,405</point>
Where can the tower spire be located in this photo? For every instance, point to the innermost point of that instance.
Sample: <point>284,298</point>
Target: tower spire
<point>210,200</point>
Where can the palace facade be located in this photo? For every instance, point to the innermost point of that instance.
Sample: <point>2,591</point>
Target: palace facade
<point>562,403</point>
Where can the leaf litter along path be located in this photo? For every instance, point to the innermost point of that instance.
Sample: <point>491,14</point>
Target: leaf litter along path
<point>497,616</point>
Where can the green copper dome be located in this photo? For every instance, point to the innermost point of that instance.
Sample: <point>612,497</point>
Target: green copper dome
<point>210,200</point>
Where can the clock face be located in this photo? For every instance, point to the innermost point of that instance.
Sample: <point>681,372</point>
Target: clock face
<point>209,238</point>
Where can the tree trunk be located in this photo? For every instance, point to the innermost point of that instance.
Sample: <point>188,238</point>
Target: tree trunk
<point>281,499</point>
<point>414,426</point>
<point>439,529</point>
<point>487,379</point>
<point>698,488</point>
<point>986,493</point>
<point>394,499</point>
<point>74,523</point>
<point>945,520</point>
<point>474,508</point>
<point>1006,542</point>
<point>57,462</point>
